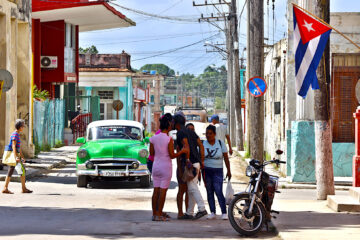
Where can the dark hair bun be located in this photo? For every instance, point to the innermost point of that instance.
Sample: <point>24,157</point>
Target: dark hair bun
<point>164,123</point>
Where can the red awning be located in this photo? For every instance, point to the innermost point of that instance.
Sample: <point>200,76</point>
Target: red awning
<point>89,16</point>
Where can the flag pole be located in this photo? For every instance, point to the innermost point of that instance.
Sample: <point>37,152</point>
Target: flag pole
<point>327,25</point>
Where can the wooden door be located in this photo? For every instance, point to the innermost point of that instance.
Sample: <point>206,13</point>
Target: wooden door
<point>343,97</point>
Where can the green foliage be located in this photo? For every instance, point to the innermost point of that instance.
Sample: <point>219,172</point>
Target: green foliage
<point>38,94</point>
<point>148,134</point>
<point>247,154</point>
<point>267,156</point>
<point>37,149</point>
<point>58,144</point>
<point>211,83</point>
<point>220,102</point>
<point>159,68</point>
<point>92,50</point>
<point>46,148</point>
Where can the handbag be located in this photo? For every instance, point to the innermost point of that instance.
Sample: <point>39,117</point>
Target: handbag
<point>189,173</point>
<point>8,158</point>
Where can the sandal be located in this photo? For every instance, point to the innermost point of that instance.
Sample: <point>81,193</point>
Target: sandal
<point>166,215</point>
<point>160,219</point>
<point>27,191</point>
<point>6,191</point>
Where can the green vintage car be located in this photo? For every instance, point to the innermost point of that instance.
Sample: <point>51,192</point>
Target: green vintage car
<point>113,150</point>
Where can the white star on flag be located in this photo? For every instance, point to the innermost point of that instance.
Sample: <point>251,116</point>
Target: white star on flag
<point>308,26</point>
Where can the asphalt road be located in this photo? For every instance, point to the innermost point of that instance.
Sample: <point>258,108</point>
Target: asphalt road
<point>59,210</point>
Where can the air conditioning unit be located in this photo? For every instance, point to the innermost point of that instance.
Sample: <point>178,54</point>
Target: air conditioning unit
<point>49,62</point>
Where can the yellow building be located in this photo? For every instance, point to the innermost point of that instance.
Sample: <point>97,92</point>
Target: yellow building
<point>15,57</point>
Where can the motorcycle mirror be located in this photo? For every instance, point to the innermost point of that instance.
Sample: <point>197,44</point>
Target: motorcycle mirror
<point>279,152</point>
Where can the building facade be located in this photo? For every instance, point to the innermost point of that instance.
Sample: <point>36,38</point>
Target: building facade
<point>290,119</point>
<point>15,58</point>
<point>108,76</point>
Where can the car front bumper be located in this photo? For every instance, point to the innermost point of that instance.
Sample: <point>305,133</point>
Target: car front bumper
<point>113,173</point>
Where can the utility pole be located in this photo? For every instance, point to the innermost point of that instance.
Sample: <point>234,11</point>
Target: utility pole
<point>236,79</point>
<point>323,137</point>
<point>230,75</point>
<point>256,65</point>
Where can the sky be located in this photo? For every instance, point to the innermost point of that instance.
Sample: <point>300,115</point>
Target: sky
<point>153,36</point>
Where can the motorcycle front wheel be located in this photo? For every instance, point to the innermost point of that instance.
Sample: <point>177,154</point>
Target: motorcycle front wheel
<point>241,220</point>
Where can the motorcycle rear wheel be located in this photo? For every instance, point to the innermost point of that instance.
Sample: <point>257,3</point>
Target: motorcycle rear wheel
<point>239,218</point>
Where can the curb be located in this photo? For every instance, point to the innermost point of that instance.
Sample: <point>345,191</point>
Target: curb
<point>309,186</point>
<point>38,171</point>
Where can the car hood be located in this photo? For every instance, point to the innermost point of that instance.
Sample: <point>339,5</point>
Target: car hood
<point>114,148</point>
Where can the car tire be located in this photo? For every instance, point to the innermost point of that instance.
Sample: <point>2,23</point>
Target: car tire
<point>145,181</point>
<point>82,181</point>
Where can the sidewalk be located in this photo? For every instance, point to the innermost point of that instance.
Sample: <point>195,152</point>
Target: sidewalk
<point>45,161</point>
<point>303,217</point>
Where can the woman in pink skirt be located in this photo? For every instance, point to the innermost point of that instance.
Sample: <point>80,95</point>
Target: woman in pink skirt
<point>162,148</point>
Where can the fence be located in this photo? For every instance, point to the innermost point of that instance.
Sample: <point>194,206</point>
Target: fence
<point>49,119</point>
<point>79,125</point>
<point>88,104</point>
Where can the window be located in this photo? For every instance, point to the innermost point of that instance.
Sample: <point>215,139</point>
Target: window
<point>106,94</point>
<point>115,132</point>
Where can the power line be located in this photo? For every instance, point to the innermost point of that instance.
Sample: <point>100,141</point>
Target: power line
<point>171,18</point>
<point>176,49</point>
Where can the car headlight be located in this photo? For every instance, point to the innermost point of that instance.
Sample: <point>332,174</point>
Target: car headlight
<point>82,153</point>
<point>250,171</point>
<point>143,153</point>
<point>89,165</point>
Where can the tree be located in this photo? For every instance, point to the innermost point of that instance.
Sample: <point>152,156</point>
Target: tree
<point>159,68</point>
<point>91,50</point>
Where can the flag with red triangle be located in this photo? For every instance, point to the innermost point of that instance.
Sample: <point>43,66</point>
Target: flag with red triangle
<point>310,39</point>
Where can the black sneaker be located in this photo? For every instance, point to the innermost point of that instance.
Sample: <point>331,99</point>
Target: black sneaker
<point>186,217</point>
<point>200,214</point>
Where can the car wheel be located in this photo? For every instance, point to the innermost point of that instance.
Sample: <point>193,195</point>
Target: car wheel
<point>145,181</point>
<point>82,181</point>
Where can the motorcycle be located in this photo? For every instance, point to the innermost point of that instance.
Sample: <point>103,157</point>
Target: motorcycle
<point>250,210</point>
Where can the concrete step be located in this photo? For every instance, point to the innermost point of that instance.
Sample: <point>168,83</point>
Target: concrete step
<point>355,193</point>
<point>343,203</point>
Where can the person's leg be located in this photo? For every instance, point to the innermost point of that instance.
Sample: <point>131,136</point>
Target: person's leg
<point>186,197</point>
<point>210,189</point>
<point>8,178</point>
<point>180,197</point>
<point>218,187</point>
<point>194,193</point>
<point>155,200</point>
<point>162,198</point>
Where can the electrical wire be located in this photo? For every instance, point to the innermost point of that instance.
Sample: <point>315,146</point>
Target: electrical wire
<point>176,49</point>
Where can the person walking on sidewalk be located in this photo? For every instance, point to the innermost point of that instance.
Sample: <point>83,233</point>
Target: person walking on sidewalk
<point>215,154</point>
<point>162,148</point>
<point>222,131</point>
<point>189,138</point>
<point>14,148</point>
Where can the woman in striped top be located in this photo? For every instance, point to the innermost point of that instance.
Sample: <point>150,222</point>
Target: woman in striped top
<point>14,147</point>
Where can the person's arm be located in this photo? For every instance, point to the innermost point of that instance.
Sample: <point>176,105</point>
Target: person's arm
<point>229,143</point>
<point>14,151</point>
<point>186,147</point>
<point>172,154</point>
<point>227,164</point>
<point>202,152</point>
<point>152,150</point>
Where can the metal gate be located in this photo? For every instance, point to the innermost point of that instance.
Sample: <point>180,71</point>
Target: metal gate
<point>88,104</point>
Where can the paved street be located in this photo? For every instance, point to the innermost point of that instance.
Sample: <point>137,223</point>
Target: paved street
<point>58,209</point>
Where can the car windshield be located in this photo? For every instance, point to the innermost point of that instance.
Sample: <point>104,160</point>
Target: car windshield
<point>114,132</point>
<point>192,117</point>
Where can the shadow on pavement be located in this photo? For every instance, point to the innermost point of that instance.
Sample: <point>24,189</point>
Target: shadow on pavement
<point>109,224</point>
<point>297,221</point>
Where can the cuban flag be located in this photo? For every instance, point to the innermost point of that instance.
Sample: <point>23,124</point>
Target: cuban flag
<point>310,38</point>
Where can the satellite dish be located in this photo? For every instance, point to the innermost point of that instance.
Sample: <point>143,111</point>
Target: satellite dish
<point>8,79</point>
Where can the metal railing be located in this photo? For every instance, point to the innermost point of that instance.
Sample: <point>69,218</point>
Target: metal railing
<point>79,125</point>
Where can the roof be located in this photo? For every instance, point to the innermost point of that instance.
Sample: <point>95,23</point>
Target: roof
<point>103,123</point>
<point>103,69</point>
<point>89,16</point>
